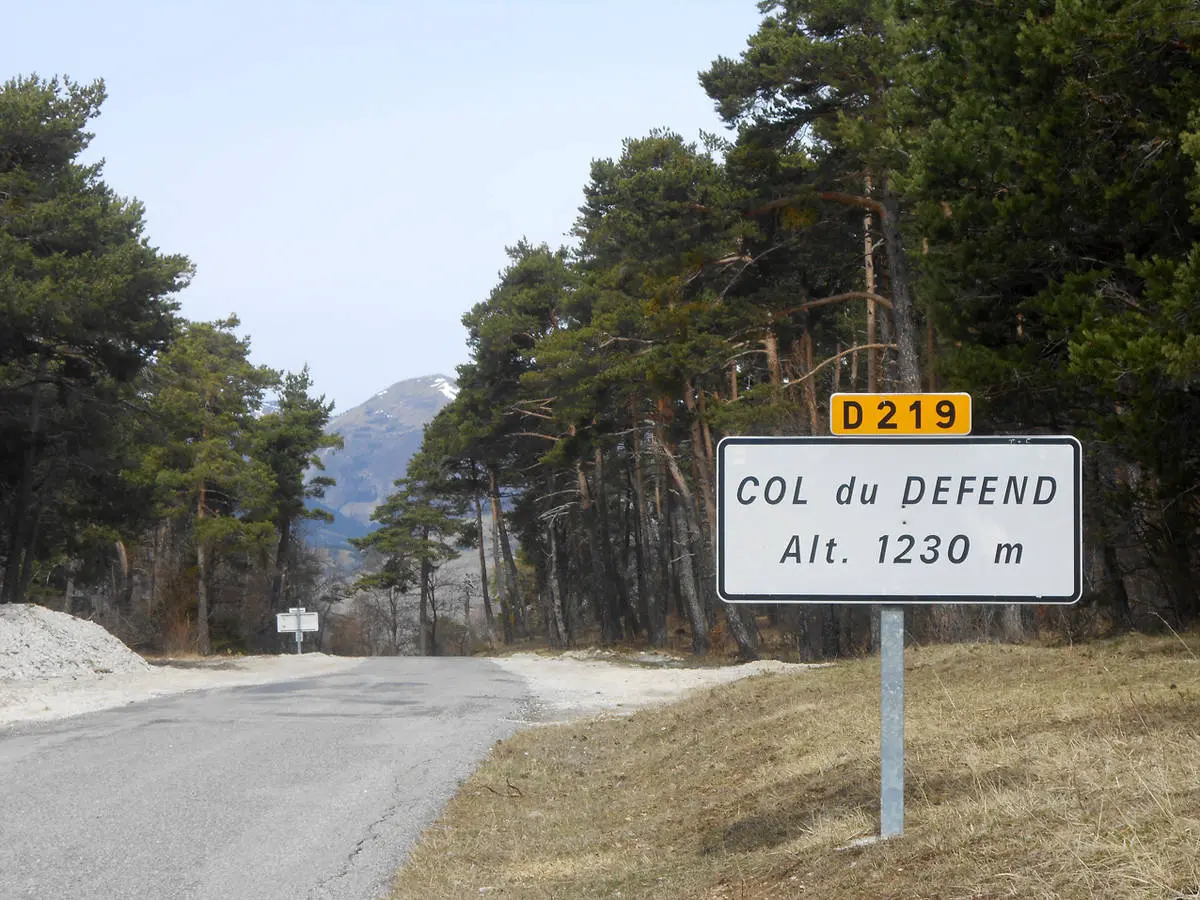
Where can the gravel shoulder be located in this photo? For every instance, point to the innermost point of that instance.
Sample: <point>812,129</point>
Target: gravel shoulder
<point>560,687</point>
<point>45,698</point>
<point>53,665</point>
<point>593,682</point>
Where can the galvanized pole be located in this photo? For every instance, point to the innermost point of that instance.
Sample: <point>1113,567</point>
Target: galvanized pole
<point>891,680</point>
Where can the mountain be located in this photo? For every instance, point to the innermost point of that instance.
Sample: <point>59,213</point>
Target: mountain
<point>380,436</point>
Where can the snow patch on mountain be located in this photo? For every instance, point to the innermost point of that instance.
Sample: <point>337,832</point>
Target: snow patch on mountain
<point>446,387</point>
<point>380,436</point>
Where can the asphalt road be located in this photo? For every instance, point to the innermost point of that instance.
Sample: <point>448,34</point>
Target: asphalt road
<point>313,788</point>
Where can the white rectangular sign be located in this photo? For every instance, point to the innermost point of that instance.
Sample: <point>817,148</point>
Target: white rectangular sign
<point>293,621</point>
<point>914,520</point>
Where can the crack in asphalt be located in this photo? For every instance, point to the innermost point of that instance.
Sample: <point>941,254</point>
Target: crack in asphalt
<point>323,889</point>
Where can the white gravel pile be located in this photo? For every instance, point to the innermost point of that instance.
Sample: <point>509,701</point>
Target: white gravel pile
<point>37,643</point>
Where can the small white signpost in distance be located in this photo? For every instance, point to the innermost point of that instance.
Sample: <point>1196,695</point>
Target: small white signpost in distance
<point>298,620</point>
<point>899,520</point>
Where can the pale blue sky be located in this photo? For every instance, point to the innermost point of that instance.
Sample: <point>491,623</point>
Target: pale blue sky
<point>345,175</point>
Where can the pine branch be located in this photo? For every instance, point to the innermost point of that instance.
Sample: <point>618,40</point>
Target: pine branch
<point>835,358</point>
<point>838,298</point>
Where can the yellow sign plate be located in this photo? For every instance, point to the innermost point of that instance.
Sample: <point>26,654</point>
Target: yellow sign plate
<point>882,415</point>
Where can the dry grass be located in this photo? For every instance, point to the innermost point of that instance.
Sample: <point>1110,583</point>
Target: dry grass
<point>1031,772</point>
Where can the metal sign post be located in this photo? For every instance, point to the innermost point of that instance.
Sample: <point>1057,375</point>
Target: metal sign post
<point>899,520</point>
<point>891,724</point>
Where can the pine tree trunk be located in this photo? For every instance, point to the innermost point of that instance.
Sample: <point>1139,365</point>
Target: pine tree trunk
<point>125,594</point>
<point>433,613</point>
<point>904,315</point>
<point>203,637</point>
<point>627,567</point>
<point>152,593</point>
<point>688,544</point>
<point>666,529</point>
<point>1178,566</point>
<point>556,632</point>
<point>689,540</point>
<point>572,581</point>
<point>599,581</point>
<point>904,327</point>
<point>17,548</point>
<point>640,584</point>
<point>393,620</point>
<point>709,451</point>
<point>1120,599</point>
<point>28,563</point>
<point>650,600</point>
<point>20,537</point>
<point>615,595</point>
<point>501,590</point>
<point>559,619</point>
<point>423,631</point>
<point>483,573</point>
<point>512,582</point>
<point>743,628</point>
<point>704,462</point>
<point>829,632</point>
<point>930,357</point>
<point>771,345</point>
<point>1012,624</point>
<point>12,562</point>
<point>740,623</point>
<point>869,267</point>
<point>516,604</point>
<point>278,579</point>
<point>810,384</point>
<point>203,634</point>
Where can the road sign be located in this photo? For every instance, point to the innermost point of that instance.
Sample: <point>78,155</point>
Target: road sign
<point>907,519</point>
<point>296,620</point>
<point>887,415</point>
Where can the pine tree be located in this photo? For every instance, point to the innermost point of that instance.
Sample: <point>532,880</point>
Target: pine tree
<point>204,396</point>
<point>809,97</point>
<point>85,302</point>
<point>1050,176</point>
<point>288,442</point>
<point>416,525</point>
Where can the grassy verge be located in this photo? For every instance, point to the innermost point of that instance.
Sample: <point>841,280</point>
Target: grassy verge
<point>1031,772</point>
